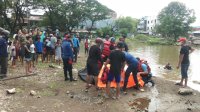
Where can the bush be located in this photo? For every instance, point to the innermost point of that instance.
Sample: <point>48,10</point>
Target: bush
<point>142,37</point>
<point>153,40</point>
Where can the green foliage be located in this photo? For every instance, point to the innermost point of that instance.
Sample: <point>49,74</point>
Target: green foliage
<point>142,37</point>
<point>152,40</point>
<point>126,25</point>
<point>95,11</point>
<point>18,14</point>
<point>69,14</point>
<point>104,31</point>
<point>175,20</point>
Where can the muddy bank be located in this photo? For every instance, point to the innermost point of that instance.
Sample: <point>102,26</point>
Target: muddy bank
<point>56,95</point>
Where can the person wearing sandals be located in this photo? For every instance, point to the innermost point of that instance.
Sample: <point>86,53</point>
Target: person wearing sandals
<point>92,63</point>
<point>117,62</point>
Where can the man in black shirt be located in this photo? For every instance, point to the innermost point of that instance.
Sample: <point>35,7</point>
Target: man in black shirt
<point>117,61</point>
<point>92,62</point>
<point>184,61</point>
<point>125,45</point>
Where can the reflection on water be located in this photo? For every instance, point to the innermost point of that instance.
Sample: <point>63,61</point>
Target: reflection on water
<point>158,56</point>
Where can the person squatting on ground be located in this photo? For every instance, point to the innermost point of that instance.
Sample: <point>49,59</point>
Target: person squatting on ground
<point>92,63</point>
<point>76,46</point>
<point>144,71</point>
<point>132,63</point>
<point>67,56</point>
<point>117,62</point>
<point>3,53</point>
<point>184,61</point>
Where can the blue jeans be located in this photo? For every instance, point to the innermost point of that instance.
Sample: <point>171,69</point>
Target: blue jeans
<point>184,70</point>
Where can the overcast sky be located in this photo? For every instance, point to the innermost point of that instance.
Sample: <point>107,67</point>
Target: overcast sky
<point>140,8</point>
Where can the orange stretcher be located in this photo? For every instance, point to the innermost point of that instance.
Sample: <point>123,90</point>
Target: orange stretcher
<point>130,84</point>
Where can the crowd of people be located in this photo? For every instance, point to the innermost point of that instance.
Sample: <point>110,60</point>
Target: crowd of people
<point>35,45</point>
<point>113,52</point>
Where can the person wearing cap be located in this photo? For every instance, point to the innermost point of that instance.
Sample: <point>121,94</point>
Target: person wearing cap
<point>184,61</point>
<point>117,62</point>
<point>92,62</point>
<point>3,53</point>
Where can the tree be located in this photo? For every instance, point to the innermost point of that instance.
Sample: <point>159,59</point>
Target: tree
<point>175,20</point>
<point>96,12</point>
<point>16,9</point>
<point>126,25</point>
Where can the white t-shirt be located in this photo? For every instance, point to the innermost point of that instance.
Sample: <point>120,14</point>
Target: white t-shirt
<point>32,48</point>
<point>13,51</point>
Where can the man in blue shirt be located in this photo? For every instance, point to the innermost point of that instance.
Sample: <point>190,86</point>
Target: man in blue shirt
<point>132,63</point>
<point>39,49</point>
<point>75,42</point>
<point>67,56</point>
<point>3,53</point>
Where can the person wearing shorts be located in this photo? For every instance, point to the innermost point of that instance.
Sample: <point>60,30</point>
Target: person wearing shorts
<point>27,56</point>
<point>92,62</point>
<point>39,49</point>
<point>117,61</point>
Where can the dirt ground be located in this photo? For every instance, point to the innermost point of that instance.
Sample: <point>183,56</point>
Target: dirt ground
<point>53,94</point>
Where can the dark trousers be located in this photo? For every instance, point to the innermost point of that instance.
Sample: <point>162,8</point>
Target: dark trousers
<point>75,53</point>
<point>133,69</point>
<point>3,66</point>
<point>67,68</point>
<point>86,50</point>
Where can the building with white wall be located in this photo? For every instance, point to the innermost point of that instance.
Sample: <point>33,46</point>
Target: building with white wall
<point>147,25</point>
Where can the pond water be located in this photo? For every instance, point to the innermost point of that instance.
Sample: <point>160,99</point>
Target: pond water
<point>158,56</point>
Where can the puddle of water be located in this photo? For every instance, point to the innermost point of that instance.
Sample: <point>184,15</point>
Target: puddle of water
<point>140,104</point>
<point>153,105</point>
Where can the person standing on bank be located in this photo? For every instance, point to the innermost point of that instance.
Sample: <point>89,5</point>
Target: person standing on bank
<point>92,62</point>
<point>3,53</point>
<point>184,61</point>
<point>76,45</point>
<point>117,62</point>
<point>67,56</point>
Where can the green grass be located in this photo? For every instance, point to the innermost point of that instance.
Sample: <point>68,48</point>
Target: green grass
<point>151,40</point>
